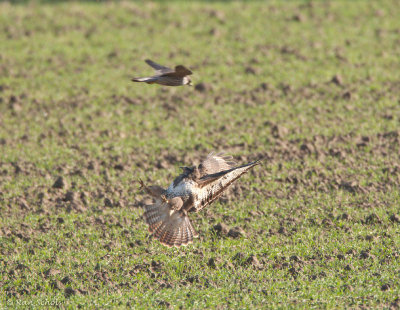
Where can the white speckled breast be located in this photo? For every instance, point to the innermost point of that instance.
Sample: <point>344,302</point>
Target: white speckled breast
<point>183,189</point>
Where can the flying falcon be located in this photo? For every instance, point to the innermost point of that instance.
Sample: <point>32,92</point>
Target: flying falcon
<point>194,189</point>
<point>167,76</point>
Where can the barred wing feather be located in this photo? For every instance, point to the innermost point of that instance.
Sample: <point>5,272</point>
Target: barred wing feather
<point>212,186</point>
<point>216,163</point>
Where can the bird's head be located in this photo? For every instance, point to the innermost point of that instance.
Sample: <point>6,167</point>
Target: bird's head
<point>175,203</point>
<point>188,81</point>
<point>186,169</point>
<point>191,172</point>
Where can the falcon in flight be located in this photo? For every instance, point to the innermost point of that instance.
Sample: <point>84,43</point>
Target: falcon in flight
<point>167,76</point>
<point>196,188</point>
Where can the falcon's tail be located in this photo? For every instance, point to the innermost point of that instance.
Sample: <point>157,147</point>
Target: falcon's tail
<point>171,228</point>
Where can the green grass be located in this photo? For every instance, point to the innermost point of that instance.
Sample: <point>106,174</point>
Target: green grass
<point>320,216</point>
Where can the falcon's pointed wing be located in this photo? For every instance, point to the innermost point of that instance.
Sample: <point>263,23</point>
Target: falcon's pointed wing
<point>160,69</point>
<point>213,185</point>
<point>180,72</point>
<point>183,70</point>
<point>215,163</point>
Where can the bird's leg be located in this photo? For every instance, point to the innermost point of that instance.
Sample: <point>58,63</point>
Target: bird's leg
<point>154,191</point>
<point>142,185</point>
<point>145,188</point>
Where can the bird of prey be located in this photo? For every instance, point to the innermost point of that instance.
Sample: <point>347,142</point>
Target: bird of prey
<point>194,189</point>
<point>167,76</point>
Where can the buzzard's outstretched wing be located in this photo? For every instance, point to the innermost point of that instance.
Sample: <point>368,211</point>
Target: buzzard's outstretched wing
<point>172,228</point>
<point>213,185</point>
<point>215,163</point>
<point>160,69</point>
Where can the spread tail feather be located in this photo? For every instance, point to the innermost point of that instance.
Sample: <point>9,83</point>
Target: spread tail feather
<point>171,228</point>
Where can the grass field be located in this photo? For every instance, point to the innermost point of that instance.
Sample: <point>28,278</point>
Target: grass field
<point>312,86</point>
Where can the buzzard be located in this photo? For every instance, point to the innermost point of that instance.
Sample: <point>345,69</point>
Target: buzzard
<point>167,76</point>
<point>195,188</point>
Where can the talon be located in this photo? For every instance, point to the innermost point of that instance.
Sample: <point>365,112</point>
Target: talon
<point>141,184</point>
<point>164,199</point>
